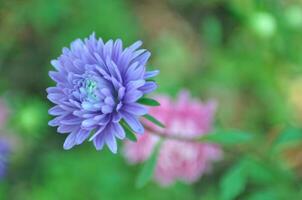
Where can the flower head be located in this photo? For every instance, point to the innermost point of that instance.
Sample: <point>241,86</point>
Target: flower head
<point>97,85</point>
<point>4,154</point>
<point>178,159</point>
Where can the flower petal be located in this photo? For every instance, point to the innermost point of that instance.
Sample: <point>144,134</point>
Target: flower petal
<point>88,123</point>
<point>151,74</point>
<point>111,142</point>
<point>98,132</point>
<point>132,96</point>
<point>99,141</point>
<point>70,141</point>
<point>54,122</point>
<point>133,122</point>
<point>149,86</point>
<point>81,136</point>
<point>118,131</point>
<point>136,45</point>
<point>66,128</point>
<point>135,109</point>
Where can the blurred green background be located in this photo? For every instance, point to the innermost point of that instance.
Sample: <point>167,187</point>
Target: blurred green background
<point>246,54</point>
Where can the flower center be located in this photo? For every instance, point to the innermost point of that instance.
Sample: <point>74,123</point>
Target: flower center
<point>88,90</point>
<point>90,87</point>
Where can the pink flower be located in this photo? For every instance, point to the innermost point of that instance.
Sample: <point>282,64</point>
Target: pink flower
<point>178,160</point>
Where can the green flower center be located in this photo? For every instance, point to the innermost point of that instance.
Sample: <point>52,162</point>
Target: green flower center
<point>90,87</point>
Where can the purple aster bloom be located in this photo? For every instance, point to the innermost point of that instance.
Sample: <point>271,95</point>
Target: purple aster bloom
<point>4,154</point>
<point>97,85</point>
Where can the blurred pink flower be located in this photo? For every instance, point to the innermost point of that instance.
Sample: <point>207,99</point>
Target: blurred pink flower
<point>178,160</point>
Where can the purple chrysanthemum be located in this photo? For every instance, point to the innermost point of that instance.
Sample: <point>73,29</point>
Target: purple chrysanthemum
<point>97,85</point>
<point>4,154</point>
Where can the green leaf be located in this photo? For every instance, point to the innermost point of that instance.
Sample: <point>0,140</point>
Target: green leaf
<point>148,102</point>
<point>129,133</point>
<point>259,171</point>
<point>227,138</point>
<point>155,121</point>
<point>289,136</point>
<point>147,171</point>
<point>264,194</point>
<point>233,182</point>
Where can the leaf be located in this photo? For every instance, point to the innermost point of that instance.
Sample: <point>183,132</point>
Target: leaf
<point>227,138</point>
<point>155,121</point>
<point>233,182</point>
<point>264,194</point>
<point>148,102</point>
<point>147,171</point>
<point>289,136</point>
<point>129,133</point>
<point>259,171</point>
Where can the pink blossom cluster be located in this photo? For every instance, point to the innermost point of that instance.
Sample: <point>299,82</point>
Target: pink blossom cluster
<point>178,159</point>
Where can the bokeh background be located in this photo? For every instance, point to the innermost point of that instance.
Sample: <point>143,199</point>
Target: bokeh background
<point>245,54</point>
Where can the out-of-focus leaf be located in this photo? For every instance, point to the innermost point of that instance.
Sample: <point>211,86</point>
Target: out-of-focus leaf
<point>259,172</point>
<point>155,121</point>
<point>233,182</point>
<point>129,133</point>
<point>45,15</point>
<point>289,136</point>
<point>263,195</point>
<point>227,138</point>
<point>212,30</point>
<point>177,60</point>
<point>148,101</point>
<point>263,24</point>
<point>293,16</point>
<point>148,168</point>
<point>30,117</point>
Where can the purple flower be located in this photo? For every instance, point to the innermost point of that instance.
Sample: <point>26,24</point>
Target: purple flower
<point>4,154</point>
<point>97,85</point>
